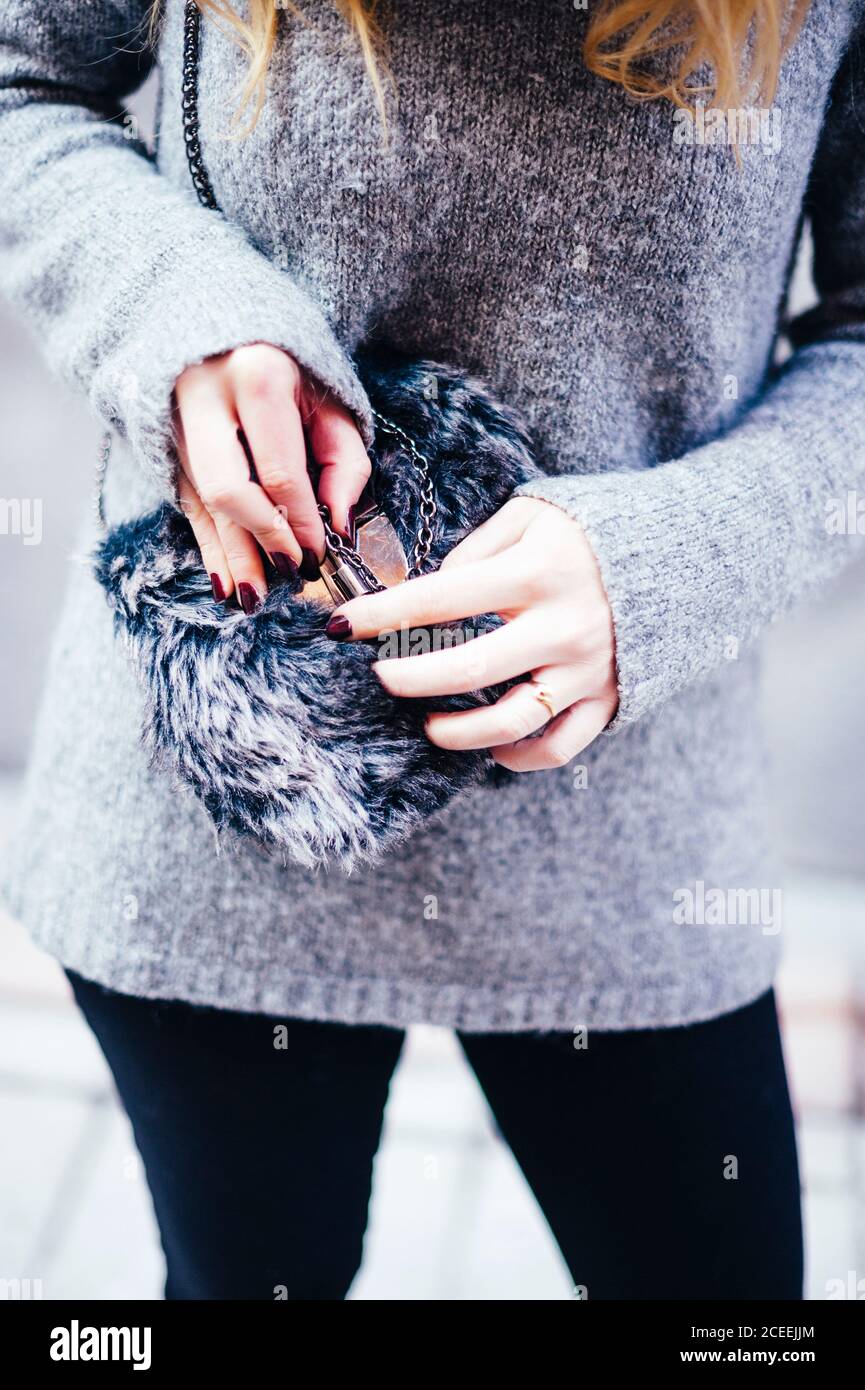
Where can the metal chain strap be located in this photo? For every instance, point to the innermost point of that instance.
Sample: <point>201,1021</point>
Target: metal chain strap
<point>428,509</point>
<point>342,550</point>
<point>189,104</point>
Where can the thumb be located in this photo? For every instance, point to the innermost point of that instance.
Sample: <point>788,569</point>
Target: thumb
<point>336,445</point>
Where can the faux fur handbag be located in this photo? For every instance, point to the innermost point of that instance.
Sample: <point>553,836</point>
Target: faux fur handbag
<point>281,732</point>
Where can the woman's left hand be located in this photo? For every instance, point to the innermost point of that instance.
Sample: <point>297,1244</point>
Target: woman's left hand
<point>533,565</point>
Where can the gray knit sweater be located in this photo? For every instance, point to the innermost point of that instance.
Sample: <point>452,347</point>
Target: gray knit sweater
<point>611,272</point>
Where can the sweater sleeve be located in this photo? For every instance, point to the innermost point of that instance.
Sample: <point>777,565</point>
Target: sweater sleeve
<point>126,279</point>
<point>698,554</point>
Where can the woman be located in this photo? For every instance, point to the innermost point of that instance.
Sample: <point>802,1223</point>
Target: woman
<point>512,190</point>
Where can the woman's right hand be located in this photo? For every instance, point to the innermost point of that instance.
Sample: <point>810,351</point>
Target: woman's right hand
<point>235,513</point>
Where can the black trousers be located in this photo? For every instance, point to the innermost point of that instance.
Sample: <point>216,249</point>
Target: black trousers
<point>664,1160</point>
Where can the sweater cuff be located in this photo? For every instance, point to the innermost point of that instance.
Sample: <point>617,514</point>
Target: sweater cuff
<point>223,296</point>
<point>654,578</point>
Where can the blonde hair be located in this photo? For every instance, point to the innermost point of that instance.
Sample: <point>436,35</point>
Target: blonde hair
<point>257,36</point>
<point>741,41</point>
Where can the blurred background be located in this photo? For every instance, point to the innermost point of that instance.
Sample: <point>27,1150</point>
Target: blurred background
<point>451,1217</point>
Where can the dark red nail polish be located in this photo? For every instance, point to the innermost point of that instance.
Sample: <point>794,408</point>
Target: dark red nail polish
<point>284,565</point>
<point>216,586</point>
<point>338,628</point>
<point>249,600</point>
<point>309,565</point>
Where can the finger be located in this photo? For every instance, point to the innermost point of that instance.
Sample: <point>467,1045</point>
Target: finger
<point>272,424</point>
<point>566,736</point>
<point>338,449</point>
<point>503,528</point>
<point>244,561</point>
<point>217,466</point>
<point>490,586</point>
<point>213,556</point>
<point>510,651</point>
<point>519,713</point>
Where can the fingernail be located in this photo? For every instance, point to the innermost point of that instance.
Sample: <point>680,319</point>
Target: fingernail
<point>309,565</point>
<point>249,600</point>
<point>284,565</point>
<point>338,627</point>
<point>216,586</point>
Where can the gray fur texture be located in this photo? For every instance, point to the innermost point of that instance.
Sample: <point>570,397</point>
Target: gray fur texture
<point>283,733</point>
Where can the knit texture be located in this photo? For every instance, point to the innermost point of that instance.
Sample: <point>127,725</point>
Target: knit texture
<point>621,286</point>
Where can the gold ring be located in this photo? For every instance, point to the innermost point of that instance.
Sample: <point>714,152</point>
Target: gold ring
<point>541,693</point>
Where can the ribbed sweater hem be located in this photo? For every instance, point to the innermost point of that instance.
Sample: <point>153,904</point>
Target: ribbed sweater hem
<point>542,1005</point>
